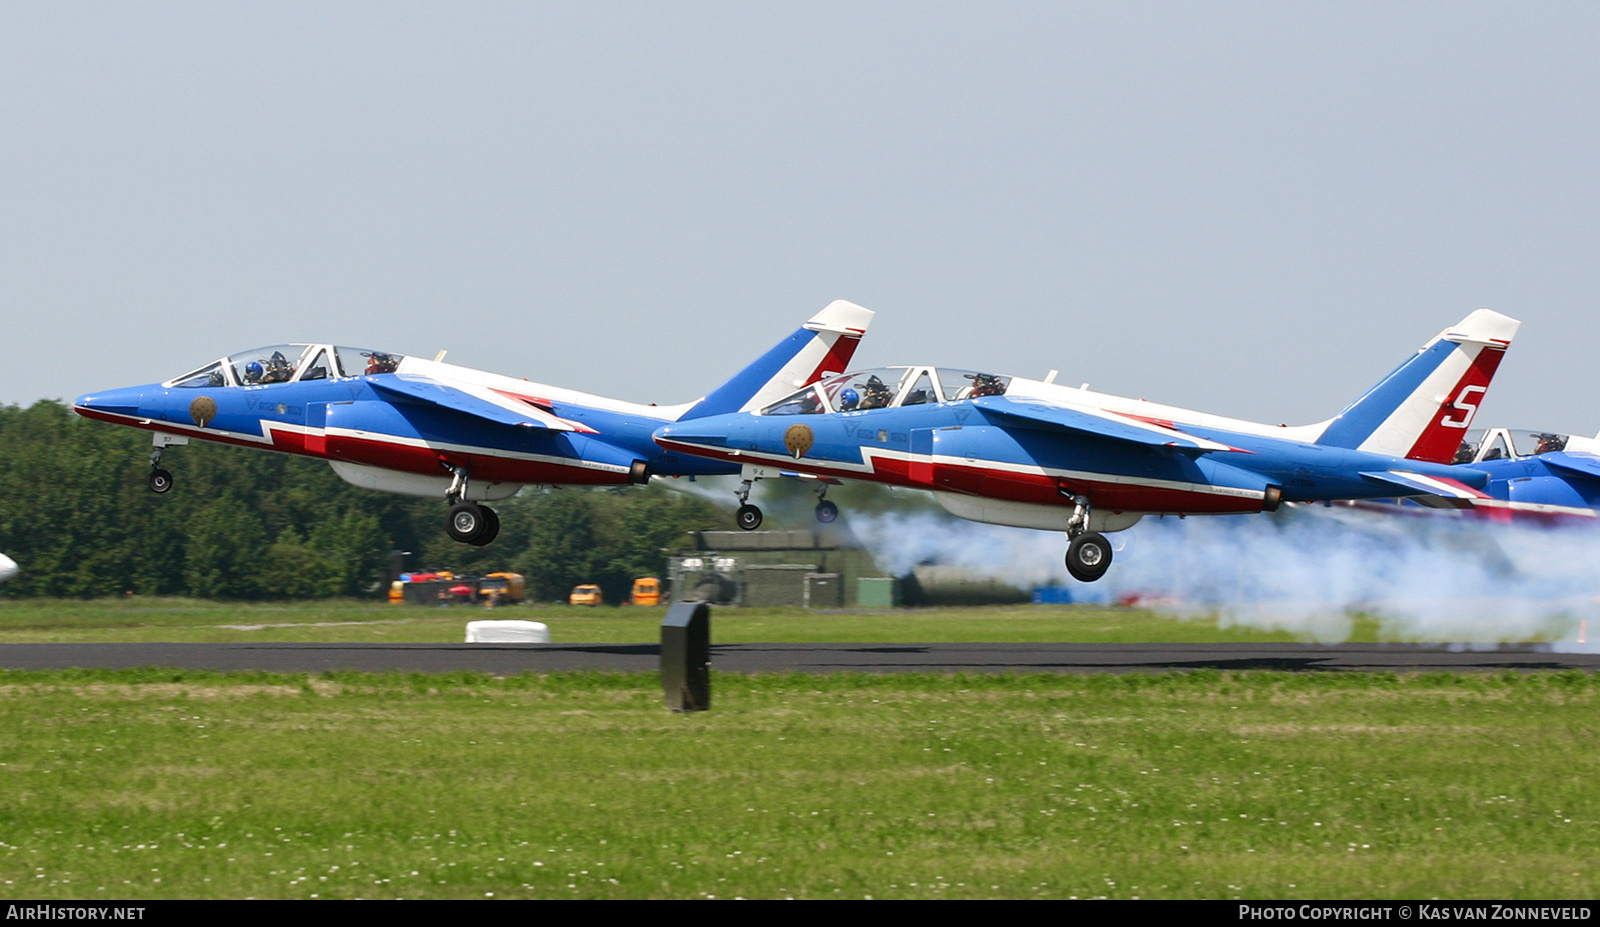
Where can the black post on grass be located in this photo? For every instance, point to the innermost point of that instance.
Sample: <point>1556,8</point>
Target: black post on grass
<point>686,657</point>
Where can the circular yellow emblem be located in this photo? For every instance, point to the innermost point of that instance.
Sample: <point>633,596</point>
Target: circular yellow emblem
<point>203,410</point>
<point>798,440</point>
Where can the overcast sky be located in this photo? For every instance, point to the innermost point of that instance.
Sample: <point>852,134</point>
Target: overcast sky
<point>1250,209</point>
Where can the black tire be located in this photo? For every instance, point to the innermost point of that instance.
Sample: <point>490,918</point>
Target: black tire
<point>466,522</point>
<point>491,527</point>
<point>639,473</point>
<point>749,517</point>
<point>1088,557</point>
<point>827,512</point>
<point>160,481</point>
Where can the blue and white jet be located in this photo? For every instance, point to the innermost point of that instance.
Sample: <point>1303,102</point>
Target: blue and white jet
<point>414,426</point>
<point>1030,453</point>
<point>1534,476</point>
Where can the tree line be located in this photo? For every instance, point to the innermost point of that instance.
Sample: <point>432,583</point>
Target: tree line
<point>76,515</point>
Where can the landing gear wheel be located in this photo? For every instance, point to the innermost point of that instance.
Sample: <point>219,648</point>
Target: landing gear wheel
<point>1088,556</point>
<point>490,529</point>
<point>749,517</point>
<point>467,522</point>
<point>160,481</point>
<point>827,512</point>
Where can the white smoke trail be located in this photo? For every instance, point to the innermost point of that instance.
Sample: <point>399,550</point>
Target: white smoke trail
<point>1306,570</point>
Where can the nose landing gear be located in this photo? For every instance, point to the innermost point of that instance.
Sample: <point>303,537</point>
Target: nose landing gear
<point>160,480</point>
<point>827,511</point>
<point>749,516</point>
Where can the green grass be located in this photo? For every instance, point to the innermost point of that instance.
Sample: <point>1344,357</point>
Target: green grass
<point>147,784</point>
<point>136,619</point>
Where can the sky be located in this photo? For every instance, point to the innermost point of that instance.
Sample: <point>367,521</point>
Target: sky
<point>1251,209</point>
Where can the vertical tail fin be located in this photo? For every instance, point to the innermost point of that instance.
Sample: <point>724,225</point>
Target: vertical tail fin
<point>821,347</point>
<point>1423,409</point>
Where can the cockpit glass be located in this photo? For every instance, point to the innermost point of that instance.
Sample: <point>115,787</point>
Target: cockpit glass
<point>868,389</point>
<point>276,363</point>
<point>316,368</point>
<point>360,362</point>
<point>209,376</point>
<point>1537,442</point>
<point>805,402</point>
<point>970,384</point>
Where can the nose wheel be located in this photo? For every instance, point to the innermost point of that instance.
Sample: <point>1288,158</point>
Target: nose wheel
<point>749,517</point>
<point>160,480</point>
<point>827,512</point>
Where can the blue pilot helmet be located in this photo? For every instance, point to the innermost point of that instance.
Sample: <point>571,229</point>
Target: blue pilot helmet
<point>252,372</point>
<point>849,399</point>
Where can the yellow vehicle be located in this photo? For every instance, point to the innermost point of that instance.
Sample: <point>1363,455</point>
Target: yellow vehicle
<point>647,591</point>
<point>587,594</point>
<point>501,588</point>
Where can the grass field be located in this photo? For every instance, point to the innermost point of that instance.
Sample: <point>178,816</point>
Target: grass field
<point>168,784</point>
<point>1207,785</point>
<point>136,619</point>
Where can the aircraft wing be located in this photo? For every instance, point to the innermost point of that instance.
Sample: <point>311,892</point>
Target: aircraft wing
<point>1573,462</point>
<point>466,400</point>
<point>1432,491</point>
<point>1100,423</point>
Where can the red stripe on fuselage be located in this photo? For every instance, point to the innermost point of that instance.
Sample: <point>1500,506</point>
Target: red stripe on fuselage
<point>390,455</point>
<point>1009,485</point>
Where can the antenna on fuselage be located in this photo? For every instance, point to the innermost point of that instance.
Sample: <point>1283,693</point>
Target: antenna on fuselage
<point>439,358</point>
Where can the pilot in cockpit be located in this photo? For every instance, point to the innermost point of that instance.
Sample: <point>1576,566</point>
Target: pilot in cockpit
<point>1465,453</point>
<point>876,394</point>
<point>253,373</point>
<point>986,384</point>
<point>849,400</point>
<point>279,370</point>
<point>1549,444</point>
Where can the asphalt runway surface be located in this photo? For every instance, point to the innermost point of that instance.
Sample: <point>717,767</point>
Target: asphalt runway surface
<point>506,659</point>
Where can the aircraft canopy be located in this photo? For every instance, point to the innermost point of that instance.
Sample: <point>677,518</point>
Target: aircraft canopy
<point>889,387</point>
<point>288,363</point>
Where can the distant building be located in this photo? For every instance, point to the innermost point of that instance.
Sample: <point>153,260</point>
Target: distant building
<point>822,567</point>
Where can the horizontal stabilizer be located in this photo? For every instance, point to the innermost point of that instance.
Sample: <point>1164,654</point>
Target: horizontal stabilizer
<point>1051,417</point>
<point>1582,464</point>
<point>503,411</point>
<point>1438,492</point>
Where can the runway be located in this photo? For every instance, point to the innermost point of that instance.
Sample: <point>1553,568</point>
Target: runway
<point>507,659</point>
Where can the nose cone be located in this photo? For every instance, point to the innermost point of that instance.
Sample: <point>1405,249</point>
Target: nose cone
<point>8,568</point>
<point>130,401</point>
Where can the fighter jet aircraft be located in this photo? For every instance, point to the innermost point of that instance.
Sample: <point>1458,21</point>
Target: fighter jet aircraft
<point>1035,454</point>
<point>422,427</point>
<point>1533,476</point>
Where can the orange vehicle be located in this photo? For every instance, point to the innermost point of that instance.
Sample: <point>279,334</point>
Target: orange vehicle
<point>647,591</point>
<point>587,594</point>
<point>501,588</point>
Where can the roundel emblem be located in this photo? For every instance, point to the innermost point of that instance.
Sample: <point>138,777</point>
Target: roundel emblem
<point>203,410</point>
<point>798,439</point>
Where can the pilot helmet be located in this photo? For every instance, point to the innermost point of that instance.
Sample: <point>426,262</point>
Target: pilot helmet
<point>849,399</point>
<point>252,371</point>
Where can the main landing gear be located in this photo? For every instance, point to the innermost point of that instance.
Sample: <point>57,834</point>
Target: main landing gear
<point>749,516</point>
<point>469,522</point>
<point>1088,553</point>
